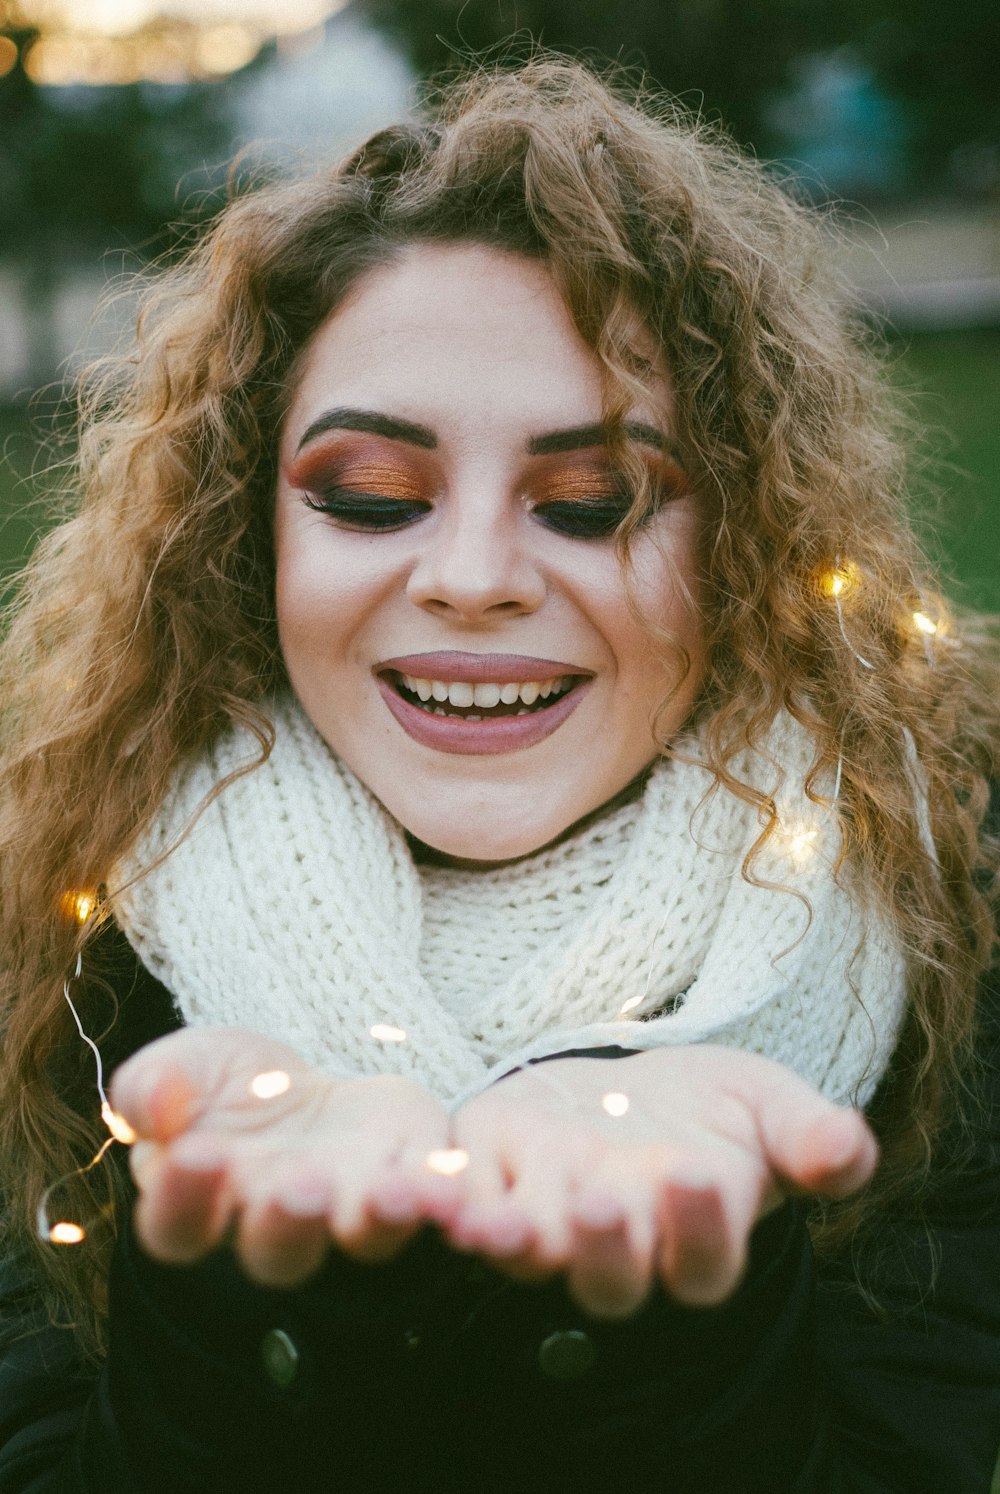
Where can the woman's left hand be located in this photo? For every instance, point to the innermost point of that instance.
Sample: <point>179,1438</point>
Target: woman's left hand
<point>710,1141</point>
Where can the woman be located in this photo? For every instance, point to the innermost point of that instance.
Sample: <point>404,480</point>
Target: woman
<point>490,635</point>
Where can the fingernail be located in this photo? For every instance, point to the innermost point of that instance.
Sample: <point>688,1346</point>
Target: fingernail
<point>691,1180</point>
<point>509,1235</point>
<point>307,1196</point>
<point>598,1212</point>
<point>395,1208</point>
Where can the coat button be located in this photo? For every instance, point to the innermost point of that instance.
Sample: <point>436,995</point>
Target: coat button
<point>567,1354</point>
<point>280,1357</point>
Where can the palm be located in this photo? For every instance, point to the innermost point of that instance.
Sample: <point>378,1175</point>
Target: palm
<point>283,1172</point>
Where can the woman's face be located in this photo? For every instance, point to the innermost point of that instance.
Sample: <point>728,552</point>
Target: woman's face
<point>451,607</point>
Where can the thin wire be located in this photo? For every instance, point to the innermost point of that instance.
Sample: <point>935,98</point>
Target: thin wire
<point>42,1222</point>
<point>840,618</point>
<point>79,1027</point>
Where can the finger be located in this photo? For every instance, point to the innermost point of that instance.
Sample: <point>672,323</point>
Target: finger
<point>283,1240</point>
<point>414,1194</point>
<point>167,1084</point>
<point>184,1213</point>
<point>539,1194</point>
<point>705,1221</point>
<point>838,1154</point>
<point>611,1255</point>
<point>145,1160</point>
<point>809,1141</point>
<point>158,1104</point>
<point>364,1235</point>
<point>481,1216</point>
<point>370,1220</point>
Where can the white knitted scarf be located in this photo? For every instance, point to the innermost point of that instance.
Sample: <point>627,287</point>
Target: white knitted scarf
<point>293,907</point>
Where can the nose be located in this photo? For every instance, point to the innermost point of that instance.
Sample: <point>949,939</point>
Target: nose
<point>477,562</point>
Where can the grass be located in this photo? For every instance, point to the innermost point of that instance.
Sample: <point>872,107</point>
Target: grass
<point>954,379</point>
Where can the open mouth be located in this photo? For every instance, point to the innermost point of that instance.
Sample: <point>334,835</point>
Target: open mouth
<point>489,701</point>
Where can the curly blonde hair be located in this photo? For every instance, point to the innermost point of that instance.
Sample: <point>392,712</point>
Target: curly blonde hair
<point>146,623</point>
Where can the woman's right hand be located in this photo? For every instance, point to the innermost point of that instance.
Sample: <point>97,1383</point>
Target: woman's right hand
<point>325,1161</point>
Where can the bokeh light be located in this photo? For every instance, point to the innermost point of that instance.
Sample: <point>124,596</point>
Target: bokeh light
<point>115,42</point>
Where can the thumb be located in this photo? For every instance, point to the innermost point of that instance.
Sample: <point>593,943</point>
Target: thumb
<point>166,1085</point>
<point>156,1092</point>
<point>172,1082</point>
<point>811,1143</point>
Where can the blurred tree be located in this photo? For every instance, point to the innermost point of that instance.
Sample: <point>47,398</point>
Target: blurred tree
<point>732,58</point>
<point>84,170</point>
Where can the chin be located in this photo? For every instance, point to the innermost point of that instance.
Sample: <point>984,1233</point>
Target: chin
<point>482,849</point>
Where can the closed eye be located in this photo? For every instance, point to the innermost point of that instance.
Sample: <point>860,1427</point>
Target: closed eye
<point>366,511</point>
<point>590,519</point>
<point>597,514</point>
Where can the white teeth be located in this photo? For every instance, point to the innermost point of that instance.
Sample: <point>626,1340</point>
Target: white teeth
<point>486,695</point>
<point>524,713</point>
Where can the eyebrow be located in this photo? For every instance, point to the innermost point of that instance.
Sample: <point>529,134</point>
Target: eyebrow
<point>373,423</point>
<point>580,436</point>
<point>575,438</point>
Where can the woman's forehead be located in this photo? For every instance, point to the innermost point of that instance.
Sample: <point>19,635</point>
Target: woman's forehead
<point>459,337</point>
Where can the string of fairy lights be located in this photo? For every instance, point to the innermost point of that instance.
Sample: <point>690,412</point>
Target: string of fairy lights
<point>799,842</point>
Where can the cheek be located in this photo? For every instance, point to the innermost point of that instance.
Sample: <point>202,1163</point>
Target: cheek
<point>668,585</point>
<point>665,591</point>
<point>322,595</point>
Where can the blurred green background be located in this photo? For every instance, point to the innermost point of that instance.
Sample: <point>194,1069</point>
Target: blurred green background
<point>119,118</point>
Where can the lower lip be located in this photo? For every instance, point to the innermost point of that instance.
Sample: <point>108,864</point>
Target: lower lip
<point>455,734</point>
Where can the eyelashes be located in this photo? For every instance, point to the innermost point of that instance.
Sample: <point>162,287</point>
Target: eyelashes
<point>596,516</point>
<point>365,510</point>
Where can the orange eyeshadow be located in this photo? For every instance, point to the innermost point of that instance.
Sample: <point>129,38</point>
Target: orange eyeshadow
<point>315,471</point>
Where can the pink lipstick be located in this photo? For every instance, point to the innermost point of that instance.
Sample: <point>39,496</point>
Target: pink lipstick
<point>501,728</point>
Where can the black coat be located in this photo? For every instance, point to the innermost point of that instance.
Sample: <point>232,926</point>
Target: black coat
<point>434,1372</point>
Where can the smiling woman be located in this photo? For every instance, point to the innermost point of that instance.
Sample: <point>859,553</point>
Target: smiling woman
<point>457,529</point>
<point>488,773</point>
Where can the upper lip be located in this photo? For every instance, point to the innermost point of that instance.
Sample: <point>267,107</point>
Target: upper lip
<point>479,669</point>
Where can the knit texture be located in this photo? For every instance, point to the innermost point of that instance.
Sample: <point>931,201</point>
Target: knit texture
<point>293,907</point>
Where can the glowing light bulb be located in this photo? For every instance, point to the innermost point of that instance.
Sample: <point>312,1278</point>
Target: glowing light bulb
<point>839,580</point>
<point>615,1103</point>
<point>630,1003</point>
<point>267,1086</point>
<point>117,1125</point>
<point>384,1033</point>
<point>66,1234</point>
<point>799,842</point>
<point>78,905</point>
<point>448,1161</point>
<point>924,624</point>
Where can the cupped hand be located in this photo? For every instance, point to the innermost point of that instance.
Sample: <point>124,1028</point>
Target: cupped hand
<point>669,1190</point>
<point>281,1177</point>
